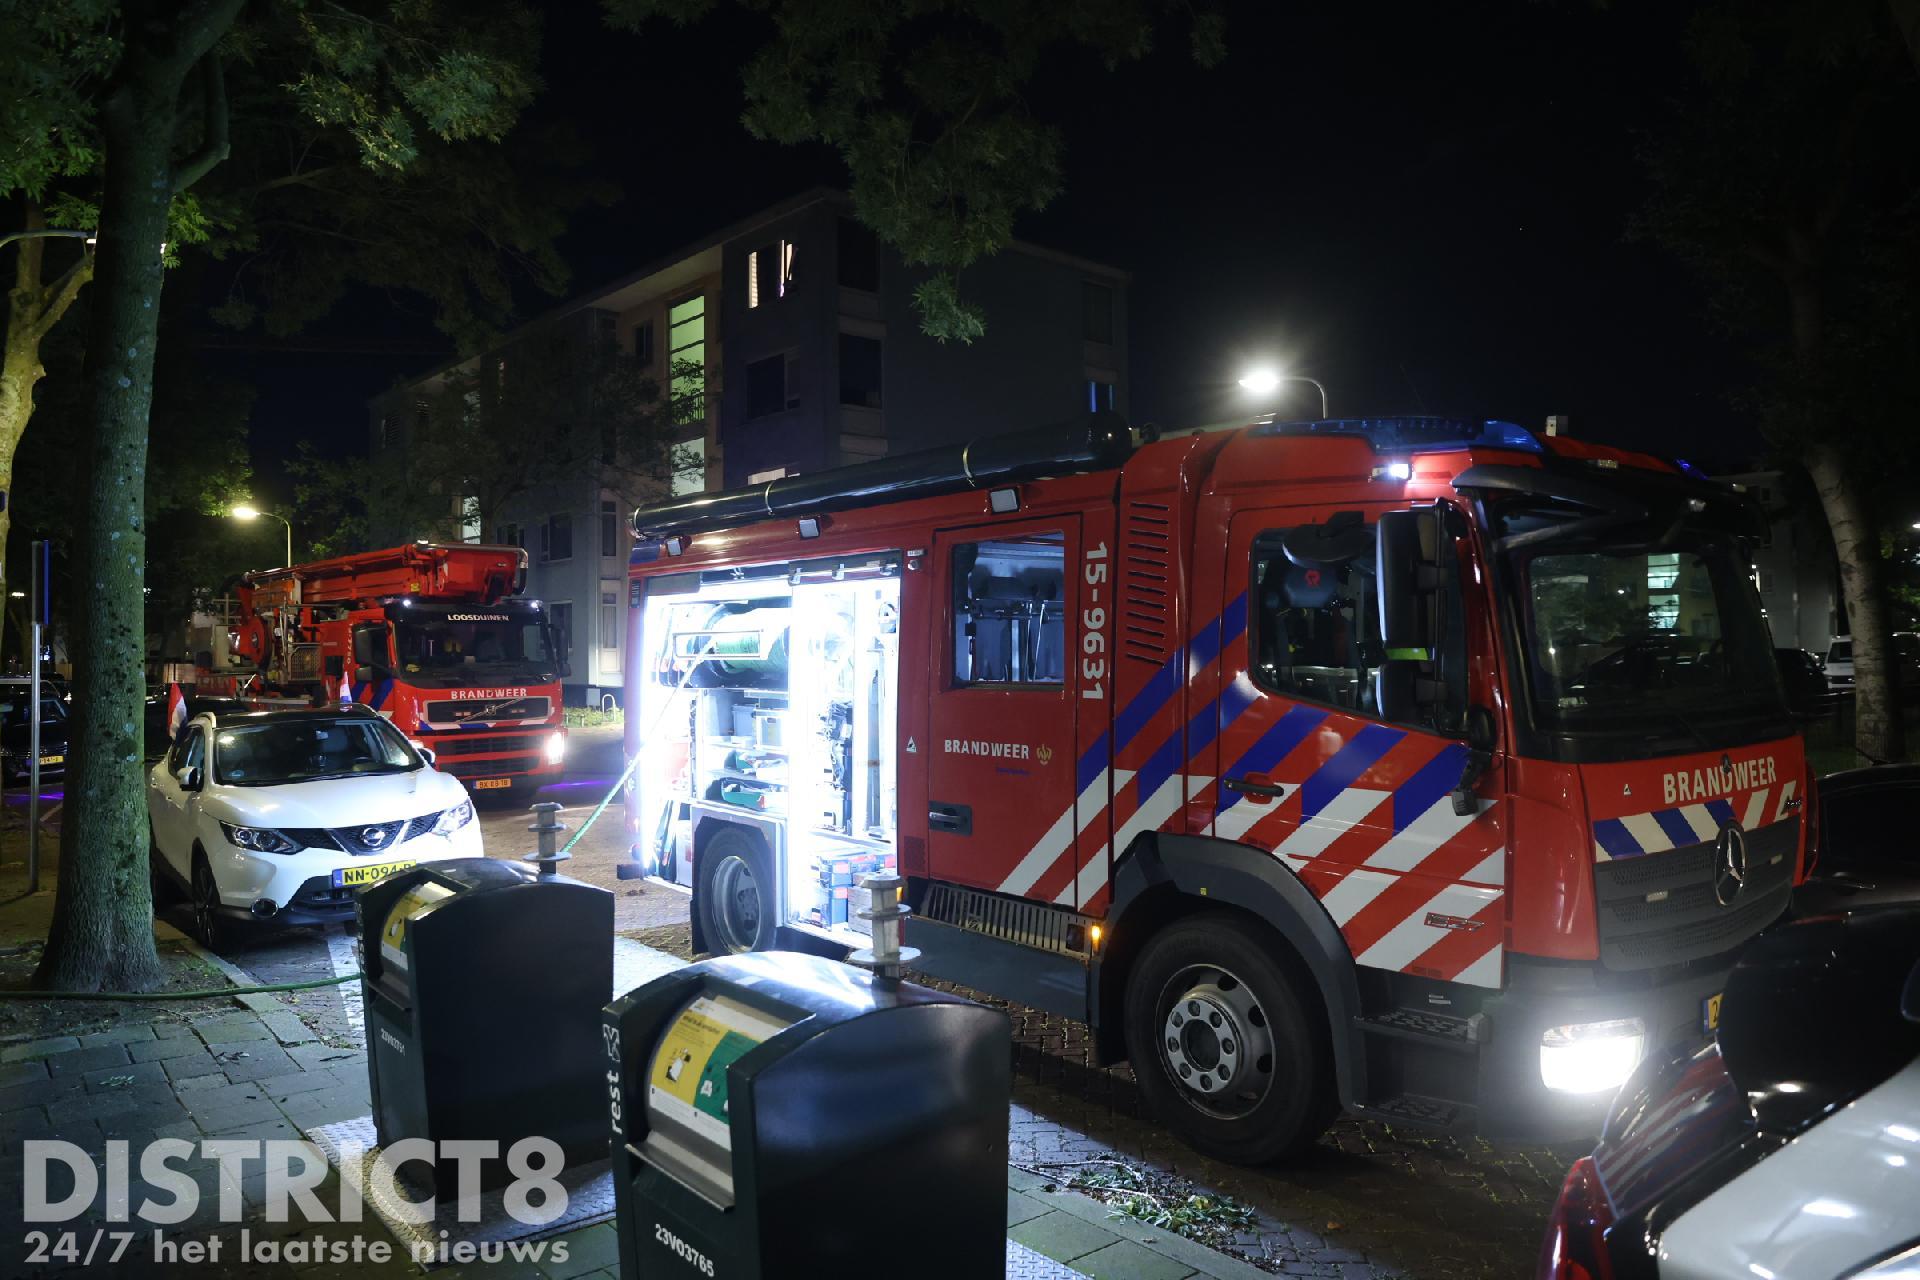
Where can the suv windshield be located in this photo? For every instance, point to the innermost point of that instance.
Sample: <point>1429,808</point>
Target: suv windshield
<point>479,647</point>
<point>276,751</point>
<point>1639,639</point>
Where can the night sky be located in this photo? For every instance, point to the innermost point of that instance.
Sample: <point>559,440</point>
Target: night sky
<point>1426,207</point>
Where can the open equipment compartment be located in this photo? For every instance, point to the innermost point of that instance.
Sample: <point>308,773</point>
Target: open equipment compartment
<point>803,768</point>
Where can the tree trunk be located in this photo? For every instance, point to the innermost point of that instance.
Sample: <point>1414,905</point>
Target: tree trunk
<point>1878,733</point>
<point>102,935</point>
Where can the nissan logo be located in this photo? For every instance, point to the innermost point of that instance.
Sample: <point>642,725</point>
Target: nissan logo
<point>374,837</point>
<point>1729,864</point>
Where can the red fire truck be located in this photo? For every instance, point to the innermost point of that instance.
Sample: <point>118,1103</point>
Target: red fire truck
<point>1432,769</point>
<point>433,636</point>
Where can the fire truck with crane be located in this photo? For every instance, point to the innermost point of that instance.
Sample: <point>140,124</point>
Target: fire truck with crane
<point>1432,769</point>
<point>434,636</point>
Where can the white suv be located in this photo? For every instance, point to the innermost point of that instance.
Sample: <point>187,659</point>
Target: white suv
<point>281,815</point>
<point>1840,663</point>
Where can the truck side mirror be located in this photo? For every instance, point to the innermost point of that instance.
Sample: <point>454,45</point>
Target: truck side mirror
<point>1402,690</point>
<point>363,675</point>
<point>1407,574</point>
<point>566,669</point>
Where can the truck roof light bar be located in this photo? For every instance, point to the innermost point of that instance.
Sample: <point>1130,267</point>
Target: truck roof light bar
<point>1415,434</point>
<point>1093,442</point>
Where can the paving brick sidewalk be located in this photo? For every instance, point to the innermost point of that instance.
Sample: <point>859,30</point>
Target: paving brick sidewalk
<point>257,1072</point>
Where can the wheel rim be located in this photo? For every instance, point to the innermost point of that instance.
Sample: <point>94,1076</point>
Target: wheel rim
<point>1216,1043</point>
<point>737,905</point>
<point>206,903</point>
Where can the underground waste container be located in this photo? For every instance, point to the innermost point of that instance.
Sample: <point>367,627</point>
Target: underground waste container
<point>483,986</point>
<point>779,1114</point>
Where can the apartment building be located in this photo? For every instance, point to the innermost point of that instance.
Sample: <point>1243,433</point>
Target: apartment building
<point>788,343</point>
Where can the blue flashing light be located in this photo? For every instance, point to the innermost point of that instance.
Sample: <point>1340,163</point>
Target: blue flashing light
<point>1414,435</point>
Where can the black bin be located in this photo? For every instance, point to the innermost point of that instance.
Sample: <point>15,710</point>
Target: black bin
<point>782,1115</point>
<point>483,987</point>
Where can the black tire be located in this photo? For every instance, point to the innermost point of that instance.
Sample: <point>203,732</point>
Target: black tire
<point>735,895</point>
<point>208,925</point>
<point>1242,1071</point>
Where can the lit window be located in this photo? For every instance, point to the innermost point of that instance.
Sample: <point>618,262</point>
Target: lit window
<point>687,360</point>
<point>1099,395</point>
<point>689,468</point>
<point>769,272</point>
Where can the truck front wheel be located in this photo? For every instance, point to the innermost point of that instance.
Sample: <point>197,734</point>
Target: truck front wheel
<point>1229,1050</point>
<point>735,896</point>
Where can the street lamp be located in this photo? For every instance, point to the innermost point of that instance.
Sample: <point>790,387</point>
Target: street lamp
<point>245,512</point>
<point>1262,382</point>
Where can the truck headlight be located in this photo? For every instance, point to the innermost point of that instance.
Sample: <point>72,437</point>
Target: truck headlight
<point>453,819</point>
<point>261,839</point>
<point>556,748</point>
<point>1591,1057</point>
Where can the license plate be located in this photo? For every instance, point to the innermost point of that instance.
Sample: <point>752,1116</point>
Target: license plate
<point>53,759</point>
<point>350,877</point>
<point>1710,1012</point>
<point>492,784</point>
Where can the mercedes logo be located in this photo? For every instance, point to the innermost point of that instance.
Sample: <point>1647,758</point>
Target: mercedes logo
<point>374,837</point>
<point>1729,864</point>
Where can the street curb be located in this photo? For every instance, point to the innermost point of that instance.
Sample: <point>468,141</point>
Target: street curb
<point>1174,1248</point>
<point>255,1002</point>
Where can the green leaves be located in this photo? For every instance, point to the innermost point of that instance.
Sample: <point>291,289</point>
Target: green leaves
<point>53,59</point>
<point>388,73</point>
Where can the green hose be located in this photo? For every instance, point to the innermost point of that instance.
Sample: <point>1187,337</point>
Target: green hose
<point>606,800</point>
<point>177,995</point>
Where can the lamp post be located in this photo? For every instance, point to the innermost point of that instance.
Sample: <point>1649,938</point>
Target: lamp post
<point>1262,382</point>
<point>245,512</point>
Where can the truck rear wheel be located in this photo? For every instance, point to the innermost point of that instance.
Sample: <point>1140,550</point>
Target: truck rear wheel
<point>1228,1048</point>
<point>735,895</point>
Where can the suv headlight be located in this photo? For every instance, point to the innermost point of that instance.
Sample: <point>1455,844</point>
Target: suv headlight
<point>261,839</point>
<point>453,819</point>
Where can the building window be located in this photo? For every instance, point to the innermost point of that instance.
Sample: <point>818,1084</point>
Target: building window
<point>1096,302</point>
<point>767,387</point>
<point>470,529</point>
<point>560,618</point>
<point>859,371</point>
<point>609,527</point>
<point>1009,619</point>
<point>689,468</point>
<point>769,272</point>
<point>509,535</point>
<point>643,342</point>
<point>687,360</point>
<point>386,425</point>
<point>1099,395</point>
<point>859,257</point>
<point>556,537</point>
<point>609,627</point>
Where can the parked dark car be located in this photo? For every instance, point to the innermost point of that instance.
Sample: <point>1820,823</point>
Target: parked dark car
<point>1805,678</point>
<point>1788,1148</point>
<point>16,730</point>
<point>1867,851</point>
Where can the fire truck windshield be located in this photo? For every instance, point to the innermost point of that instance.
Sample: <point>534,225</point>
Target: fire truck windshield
<point>474,646</point>
<point>1661,638</point>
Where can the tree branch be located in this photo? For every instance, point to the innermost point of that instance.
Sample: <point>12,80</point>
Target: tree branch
<point>60,295</point>
<point>214,144</point>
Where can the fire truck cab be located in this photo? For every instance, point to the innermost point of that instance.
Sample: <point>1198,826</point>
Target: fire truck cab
<point>1428,768</point>
<point>433,636</point>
